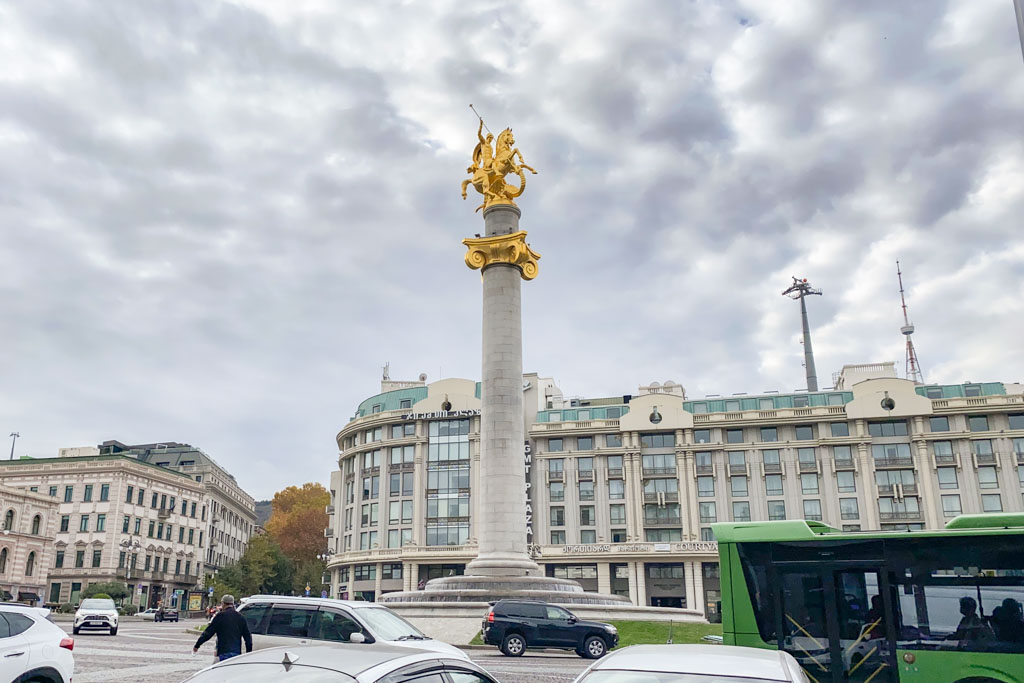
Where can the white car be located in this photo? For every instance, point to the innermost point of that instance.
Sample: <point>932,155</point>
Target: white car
<point>32,648</point>
<point>694,664</point>
<point>277,620</point>
<point>342,664</point>
<point>96,613</point>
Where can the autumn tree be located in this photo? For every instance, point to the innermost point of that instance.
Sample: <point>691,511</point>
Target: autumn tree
<point>298,520</point>
<point>263,568</point>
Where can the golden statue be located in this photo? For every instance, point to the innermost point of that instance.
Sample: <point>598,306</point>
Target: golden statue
<point>490,166</point>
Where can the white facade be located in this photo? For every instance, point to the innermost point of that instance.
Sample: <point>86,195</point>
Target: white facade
<point>29,522</point>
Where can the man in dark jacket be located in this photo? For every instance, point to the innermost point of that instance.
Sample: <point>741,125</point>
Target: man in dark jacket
<point>230,628</point>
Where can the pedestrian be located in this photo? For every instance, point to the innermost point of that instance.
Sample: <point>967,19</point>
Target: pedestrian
<point>230,628</point>
<point>159,610</point>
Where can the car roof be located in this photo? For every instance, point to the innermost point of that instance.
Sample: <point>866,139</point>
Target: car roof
<point>351,659</point>
<point>301,600</point>
<point>699,659</point>
<point>24,609</point>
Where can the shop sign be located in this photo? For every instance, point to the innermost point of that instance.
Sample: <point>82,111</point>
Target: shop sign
<point>527,465</point>
<point>440,414</point>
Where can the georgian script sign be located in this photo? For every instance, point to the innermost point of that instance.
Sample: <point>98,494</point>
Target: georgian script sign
<point>440,414</point>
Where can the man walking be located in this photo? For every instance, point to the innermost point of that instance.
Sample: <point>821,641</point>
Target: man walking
<point>230,628</point>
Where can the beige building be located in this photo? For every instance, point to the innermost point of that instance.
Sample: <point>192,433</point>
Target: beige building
<point>117,519</point>
<point>623,491</point>
<point>26,544</point>
<point>229,512</point>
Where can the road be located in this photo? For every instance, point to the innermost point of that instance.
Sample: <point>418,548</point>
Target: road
<point>144,652</point>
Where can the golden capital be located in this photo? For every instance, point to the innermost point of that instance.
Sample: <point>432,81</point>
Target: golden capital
<point>502,249</point>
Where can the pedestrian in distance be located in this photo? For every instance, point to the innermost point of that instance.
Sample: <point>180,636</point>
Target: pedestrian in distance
<point>230,628</point>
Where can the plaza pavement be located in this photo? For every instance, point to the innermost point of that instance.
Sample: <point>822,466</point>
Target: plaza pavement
<point>146,652</point>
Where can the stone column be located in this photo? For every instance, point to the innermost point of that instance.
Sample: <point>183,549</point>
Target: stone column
<point>604,577</point>
<point>505,260</point>
<point>419,486</point>
<point>377,582</point>
<point>641,584</point>
<point>633,583</point>
<point>698,589</point>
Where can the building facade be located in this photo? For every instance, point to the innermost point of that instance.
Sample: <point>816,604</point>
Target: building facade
<point>117,519</point>
<point>26,544</point>
<point>623,491</point>
<point>229,512</point>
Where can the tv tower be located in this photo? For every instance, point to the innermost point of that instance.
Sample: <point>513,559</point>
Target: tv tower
<point>913,368</point>
<point>798,290</point>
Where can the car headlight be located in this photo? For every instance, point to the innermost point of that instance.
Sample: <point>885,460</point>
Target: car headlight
<point>611,629</point>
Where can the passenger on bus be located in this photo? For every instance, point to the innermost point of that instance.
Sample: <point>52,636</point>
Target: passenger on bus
<point>1008,621</point>
<point>972,628</point>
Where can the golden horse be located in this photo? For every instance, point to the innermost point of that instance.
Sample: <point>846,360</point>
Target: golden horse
<point>489,170</point>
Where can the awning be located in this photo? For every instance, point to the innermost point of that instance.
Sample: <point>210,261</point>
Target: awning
<point>6,595</point>
<point>24,597</point>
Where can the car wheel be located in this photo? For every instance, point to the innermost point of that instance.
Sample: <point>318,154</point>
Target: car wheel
<point>113,631</point>
<point>594,647</point>
<point>75,630</point>
<point>514,645</point>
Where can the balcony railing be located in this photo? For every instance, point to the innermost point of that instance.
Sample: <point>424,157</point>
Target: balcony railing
<point>737,469</point>
<point>659,471</point>
<point>813,518</point>
<point>945,458</point>
<point>908,489</point>
<point>665,521</point>
<point>163,513</point>
<point>586,475</point>
<point>808,465</point>
<point>670,497</point>
<point>850,515</point>
<point>1020,458</point>
<point>615,473</point>
<point>898,516</point>
<point>401,467</point>
<point>844,464</point>
<point>893,461</point>
<point>985,458</point>
<point>773,468</point>
<point>708,520</point>
<point>705,469</point>
<point>556,476</point>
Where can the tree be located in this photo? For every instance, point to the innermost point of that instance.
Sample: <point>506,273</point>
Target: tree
<point>114,589</point>
<point>263,568</point>
<point>298,521</point>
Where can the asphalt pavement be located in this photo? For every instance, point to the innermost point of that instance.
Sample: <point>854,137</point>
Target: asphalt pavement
<point>145,652</point>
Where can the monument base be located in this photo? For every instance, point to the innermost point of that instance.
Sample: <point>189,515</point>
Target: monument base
<point>484,589</point>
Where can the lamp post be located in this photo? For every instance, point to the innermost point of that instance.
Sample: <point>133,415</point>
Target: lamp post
<point>130,546</point>
<point>325,557</point>
<point>14,437</point>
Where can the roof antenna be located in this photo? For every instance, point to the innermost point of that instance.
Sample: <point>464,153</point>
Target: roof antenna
<point>798,290</point>
<point>913,368</point>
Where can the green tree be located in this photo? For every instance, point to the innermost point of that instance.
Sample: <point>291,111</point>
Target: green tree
<point>263,568</point>
<point>309,573</point>
<point>115,589</point>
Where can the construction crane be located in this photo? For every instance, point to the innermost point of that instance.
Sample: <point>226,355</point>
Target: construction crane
<point>800,289</point>
<point>913,368</point>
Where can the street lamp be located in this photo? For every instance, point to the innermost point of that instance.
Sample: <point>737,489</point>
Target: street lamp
<point>130,545</point>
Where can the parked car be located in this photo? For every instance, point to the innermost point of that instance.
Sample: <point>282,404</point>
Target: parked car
<point>515,625</point>
<point>341,664</point>
<point>96,613</point>
<point>277,620</point>
<point>152,614</point>
<point>694,664</point>
<point>32,648</point>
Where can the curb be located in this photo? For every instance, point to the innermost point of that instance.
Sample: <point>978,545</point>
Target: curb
<point>475,647</point>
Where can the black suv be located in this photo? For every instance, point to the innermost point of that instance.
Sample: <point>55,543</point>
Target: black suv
<point>514,625</point>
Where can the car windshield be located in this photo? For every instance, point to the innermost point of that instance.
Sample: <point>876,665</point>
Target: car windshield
<point>611,676</point>
<point>387,625</point>
<point>97,604</point>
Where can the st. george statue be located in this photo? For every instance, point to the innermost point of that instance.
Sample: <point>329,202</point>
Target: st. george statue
<point>491,165</point>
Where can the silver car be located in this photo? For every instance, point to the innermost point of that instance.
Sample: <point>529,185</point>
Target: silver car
<point>694,664</point>
<point>277,621</point>
<point>342,664</point>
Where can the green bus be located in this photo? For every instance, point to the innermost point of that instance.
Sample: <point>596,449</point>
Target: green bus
<point>938,606</point>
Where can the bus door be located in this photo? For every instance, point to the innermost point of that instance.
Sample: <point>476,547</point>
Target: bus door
<point>838,622</point>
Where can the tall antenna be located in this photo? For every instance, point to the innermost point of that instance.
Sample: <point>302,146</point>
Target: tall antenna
<point>913,368</point>
<point>798,290</point>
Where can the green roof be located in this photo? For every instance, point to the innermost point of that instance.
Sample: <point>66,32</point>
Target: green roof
<point>960,390</point>
<point>741,403</point>
<point>390,400</point>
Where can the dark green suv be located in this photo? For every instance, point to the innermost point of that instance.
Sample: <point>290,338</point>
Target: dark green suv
<point>514,625</point>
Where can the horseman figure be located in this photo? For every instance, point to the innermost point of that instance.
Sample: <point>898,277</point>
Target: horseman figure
<point>490,166</point>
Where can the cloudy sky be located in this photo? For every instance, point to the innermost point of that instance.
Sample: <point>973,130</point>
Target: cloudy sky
<point>219,219</point>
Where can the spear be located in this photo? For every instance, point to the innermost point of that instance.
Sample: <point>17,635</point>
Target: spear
<point>481,118</point>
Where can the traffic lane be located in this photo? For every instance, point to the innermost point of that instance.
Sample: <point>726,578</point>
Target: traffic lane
<point>539,667</point>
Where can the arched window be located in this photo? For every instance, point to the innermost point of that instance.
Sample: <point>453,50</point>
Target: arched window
<point>37,521</point>
<point>9,520</point>
<point>3,560</point>
<point>31,564</point>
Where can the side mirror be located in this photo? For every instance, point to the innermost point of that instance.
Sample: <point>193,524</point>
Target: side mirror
<point>573,619</point>
<point>357,638</point>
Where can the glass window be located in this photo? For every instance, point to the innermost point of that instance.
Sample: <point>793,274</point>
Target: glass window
<point>586,490</point>
<point>942,449</point>
<point>769,434</point>
<point>588,536</point>
<point>848,508</point>
<point>806,455</point>
<point>617,513</point>
<point>888,428</point>
<point>707,513</point>
<point>766,404</point>
<point>700,408</point>
<point>800,401</point>
<point>846,482</point>
<point>555,466</point>
<point>558,537</point>
<point>804,432</point>
<point>1016,421</point>
<point>706,487</point>
<point>809,483</point>
<point>977,423</point>
<point>840,428</point>
<point>585,465</point>
<point>842,453</point>
<point>292,621</point>
<point>771,457</point>
<point>773,484</point>
<point>991,502</point>
<point>613,441</point>
<point>947,478</point>
<point>557,516</point>
<point>951,505</point>
<point>812,510</point>
<point>702,436</point>
<point>587,516</point>
<point>982,447</point>
<point>939,424</point>
<point>734,436</point>
<point>69,491</point>
<point>584,443</point>
<point>776,509</point>
<point>554,445</point>
<point>741,511</point>
<point>335,626</point>
<point>737,458</point>
<point>662,440</point>
<point>987,478</point>
<point>732,405</point>
<point>616,489</point>
<point>556,491</point>
<point>739,486</point>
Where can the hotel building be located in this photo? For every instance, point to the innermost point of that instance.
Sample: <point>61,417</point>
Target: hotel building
<point>623,491</point>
